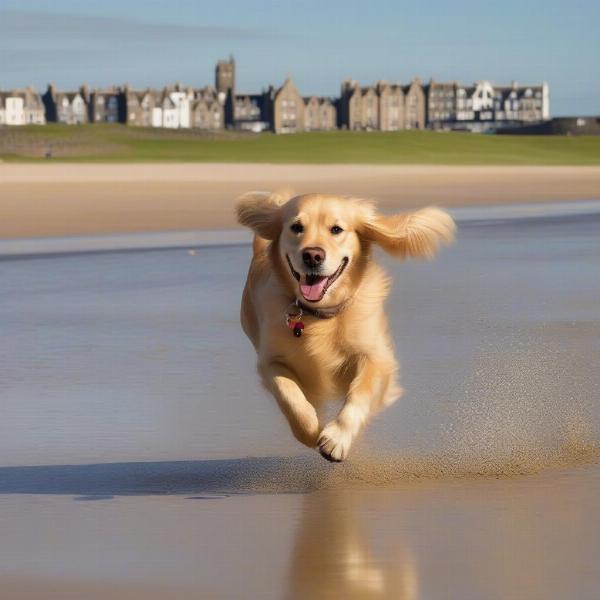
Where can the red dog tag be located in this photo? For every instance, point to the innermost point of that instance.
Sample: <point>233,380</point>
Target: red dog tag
<point>293,320</point>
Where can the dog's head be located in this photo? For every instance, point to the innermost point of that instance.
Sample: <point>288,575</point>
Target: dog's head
<point>322,243</point>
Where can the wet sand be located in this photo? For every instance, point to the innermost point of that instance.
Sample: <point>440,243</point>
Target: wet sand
<point>529,538</point>
<point>78,199</point>
<point>140,455</point>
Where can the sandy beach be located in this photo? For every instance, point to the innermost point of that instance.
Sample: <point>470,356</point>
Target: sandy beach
<point>79,199</point>
<point>142,458</point>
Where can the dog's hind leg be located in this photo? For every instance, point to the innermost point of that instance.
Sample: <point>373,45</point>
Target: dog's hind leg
<point>373,388</point>
<point>299,412</point>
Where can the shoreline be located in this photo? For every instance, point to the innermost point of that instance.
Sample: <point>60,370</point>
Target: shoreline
<point>47,200</point>
<point>57,246</point>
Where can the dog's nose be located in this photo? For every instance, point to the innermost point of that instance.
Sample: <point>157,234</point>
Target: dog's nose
<point>313,257</point>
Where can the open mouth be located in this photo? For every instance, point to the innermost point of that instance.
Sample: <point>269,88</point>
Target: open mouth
<point>315,286</point>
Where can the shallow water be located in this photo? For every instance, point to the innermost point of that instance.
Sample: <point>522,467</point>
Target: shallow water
<point>482,481</point>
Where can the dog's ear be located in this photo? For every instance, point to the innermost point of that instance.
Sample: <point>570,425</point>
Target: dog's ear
<point>261,212</point>
<point>417,234</point>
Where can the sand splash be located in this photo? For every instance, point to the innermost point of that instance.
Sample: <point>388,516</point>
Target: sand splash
<point>528,406</point>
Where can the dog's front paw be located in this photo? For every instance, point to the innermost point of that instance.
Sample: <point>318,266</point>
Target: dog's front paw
<point>334,442</point>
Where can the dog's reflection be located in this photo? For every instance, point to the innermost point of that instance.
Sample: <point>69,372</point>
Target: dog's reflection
<point>334,557</point>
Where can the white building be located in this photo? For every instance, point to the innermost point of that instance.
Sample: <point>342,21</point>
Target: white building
<point>173,110</point>
<point>15,110</point>
<point>21,107</point>
<point>484,106</point>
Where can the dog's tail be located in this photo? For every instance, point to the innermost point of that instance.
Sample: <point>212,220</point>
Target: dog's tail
<point>259,245</point>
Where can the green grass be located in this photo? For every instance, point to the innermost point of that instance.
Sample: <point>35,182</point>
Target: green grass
<point>118,143</point>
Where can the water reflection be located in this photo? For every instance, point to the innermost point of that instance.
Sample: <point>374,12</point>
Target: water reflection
<point>335,555</point>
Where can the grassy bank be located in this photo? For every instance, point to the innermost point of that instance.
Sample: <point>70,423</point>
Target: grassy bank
<point>117,143</point>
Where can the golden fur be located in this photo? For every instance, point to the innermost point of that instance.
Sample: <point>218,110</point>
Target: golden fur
<point>350,355</point>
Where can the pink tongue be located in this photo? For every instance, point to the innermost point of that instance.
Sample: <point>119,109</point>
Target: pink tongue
<point>315,291</point>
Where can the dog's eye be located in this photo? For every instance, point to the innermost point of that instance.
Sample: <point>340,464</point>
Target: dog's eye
<point>336,229</point>
<point>297,228</point>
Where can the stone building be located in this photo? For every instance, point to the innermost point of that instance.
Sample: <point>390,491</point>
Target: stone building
<point>441,104</point>
<point>248,107</point>
<point>319,114</point>
<point>70,108</point>
<point>414,105</point>
<point>359,106</point>
<point>370,109</point>
<point>328,114</point>
<point>384,107</point>
<point>207,114</point>
<point>147,103</point>
<point>391,106</point>
<point>253,112</point>
<point>208,111</point>
<point>350,105</point>
<point>33,107</point>
<point>288,109</point>
<point>137,107</point>
<point>106,106</point>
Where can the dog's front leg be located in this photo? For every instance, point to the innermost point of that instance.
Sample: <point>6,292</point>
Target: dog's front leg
<point>369,391</point>
<point>299,412</point>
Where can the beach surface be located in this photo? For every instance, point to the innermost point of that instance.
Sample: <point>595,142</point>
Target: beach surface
<point>86,199</point>
<point>140,457</point>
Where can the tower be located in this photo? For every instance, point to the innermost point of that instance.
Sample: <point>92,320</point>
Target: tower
<point>225,75</point>
<point>225,85</point>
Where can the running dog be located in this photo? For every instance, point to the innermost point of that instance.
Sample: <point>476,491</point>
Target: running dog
<point>313,306</point>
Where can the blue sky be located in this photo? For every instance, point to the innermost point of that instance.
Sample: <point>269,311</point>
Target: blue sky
<point>318,43</point>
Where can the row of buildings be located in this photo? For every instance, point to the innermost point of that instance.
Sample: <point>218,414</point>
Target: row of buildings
<point>382,106</point>
<point>173,107</point>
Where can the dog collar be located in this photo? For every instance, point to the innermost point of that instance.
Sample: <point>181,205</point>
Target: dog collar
<point>327,312</point>
<point>296,310</point>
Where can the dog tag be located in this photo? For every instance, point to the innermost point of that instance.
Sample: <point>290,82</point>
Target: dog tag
<point>293,319</point>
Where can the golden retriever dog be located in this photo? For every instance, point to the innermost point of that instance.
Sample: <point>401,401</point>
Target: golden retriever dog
<point>313,306</point>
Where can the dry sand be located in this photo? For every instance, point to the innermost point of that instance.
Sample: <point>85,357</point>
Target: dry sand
<point>70,199</point>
